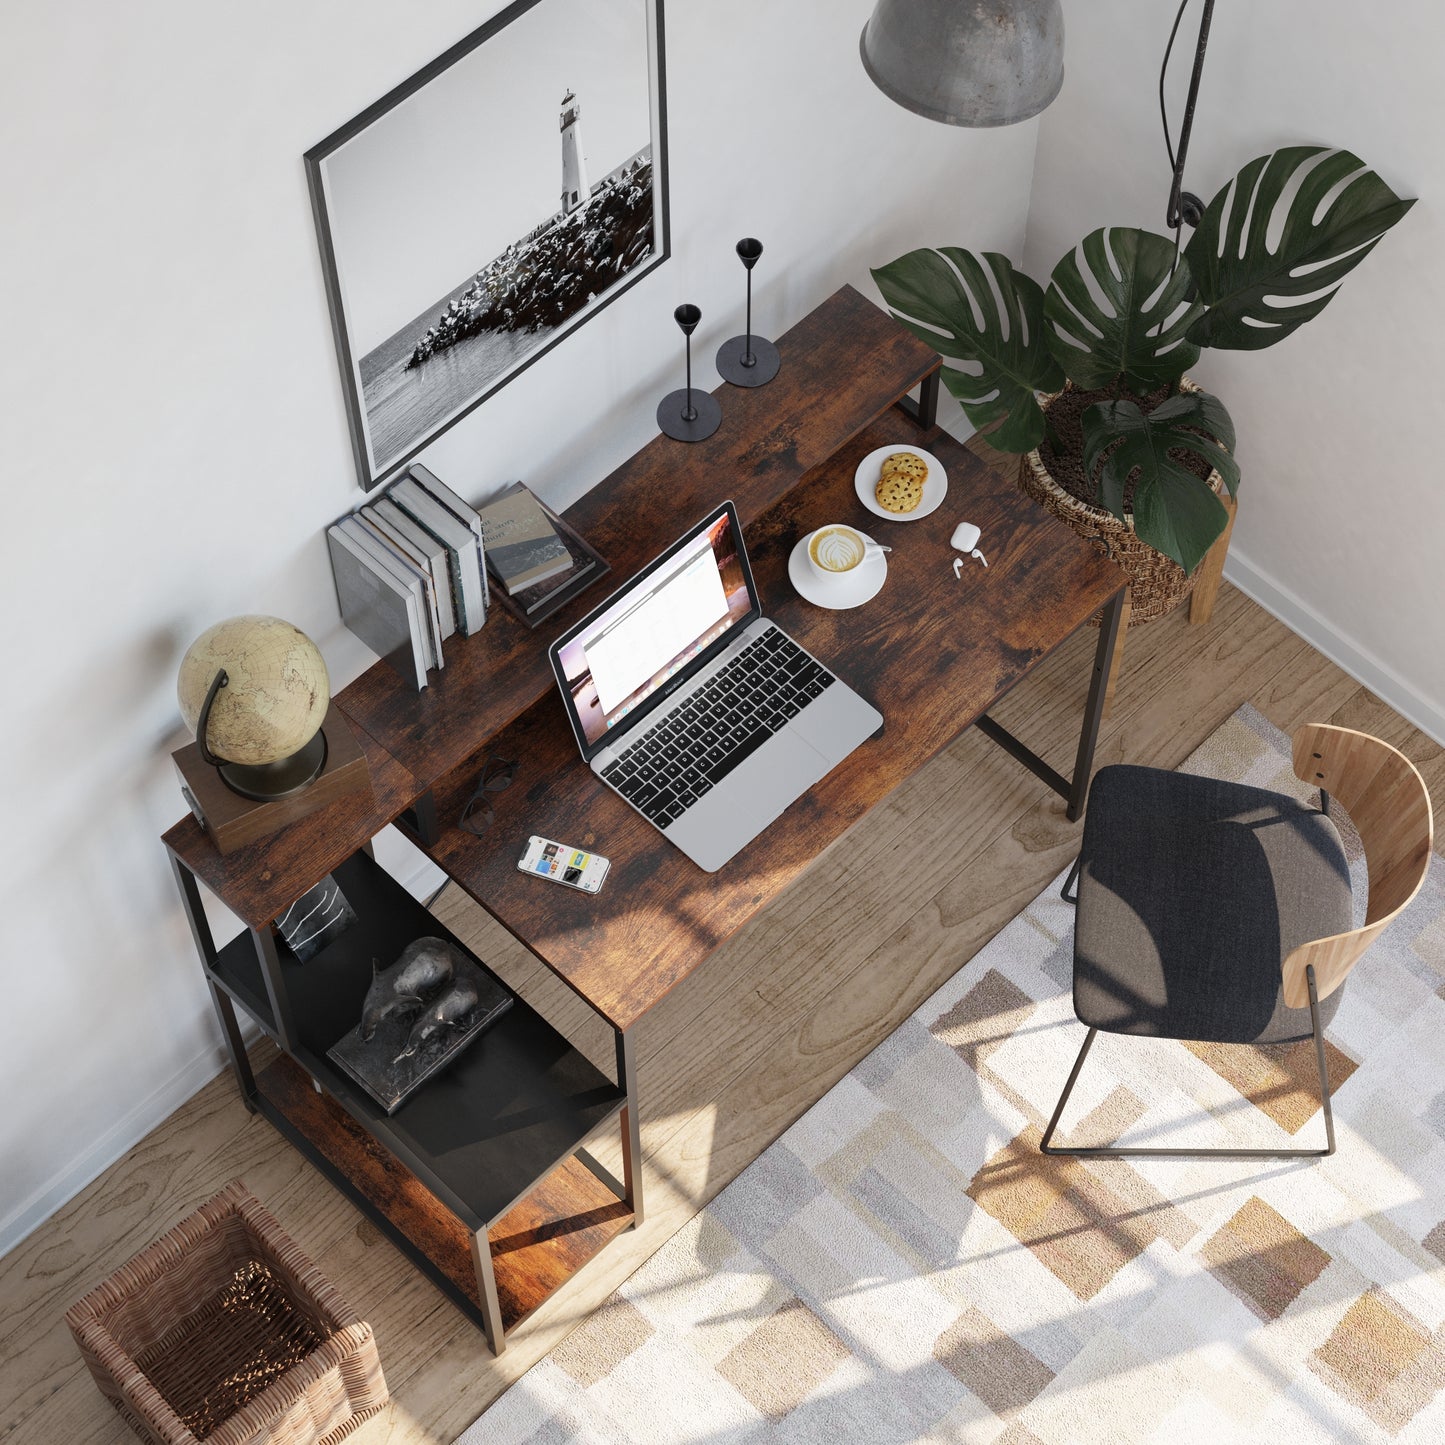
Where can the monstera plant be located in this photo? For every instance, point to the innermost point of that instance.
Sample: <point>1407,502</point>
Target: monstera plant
<point>1124,315</point>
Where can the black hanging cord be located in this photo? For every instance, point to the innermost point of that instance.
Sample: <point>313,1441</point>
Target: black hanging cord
<point>1163,71</point>
<point>1184,207</point>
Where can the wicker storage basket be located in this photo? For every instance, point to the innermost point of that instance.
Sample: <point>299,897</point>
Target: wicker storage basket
<point>224,1331</point>
<point>1157,584</point>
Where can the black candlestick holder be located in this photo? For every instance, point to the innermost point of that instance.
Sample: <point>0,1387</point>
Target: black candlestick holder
<point>748,360</point>
<point>688,415</point>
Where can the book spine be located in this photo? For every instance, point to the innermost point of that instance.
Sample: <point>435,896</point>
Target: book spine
<point>386,559</point>
<point>463,511</point>
<point>460,543</point>
<point>402,552</point>
<point>432,552</point>
<point>377,608</point>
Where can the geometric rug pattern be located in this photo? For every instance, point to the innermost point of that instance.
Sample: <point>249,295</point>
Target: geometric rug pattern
<point>903,1265</point>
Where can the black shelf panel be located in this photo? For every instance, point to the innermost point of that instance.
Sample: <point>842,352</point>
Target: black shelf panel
<point>479,1135</point>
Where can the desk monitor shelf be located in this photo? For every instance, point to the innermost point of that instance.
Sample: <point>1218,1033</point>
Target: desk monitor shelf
<point>845,364</point>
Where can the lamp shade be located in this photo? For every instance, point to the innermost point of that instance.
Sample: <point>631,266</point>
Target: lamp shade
<point>967,62</point>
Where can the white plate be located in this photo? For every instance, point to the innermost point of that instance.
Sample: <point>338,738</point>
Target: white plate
<point>935,489</point>
<point>853,589</point>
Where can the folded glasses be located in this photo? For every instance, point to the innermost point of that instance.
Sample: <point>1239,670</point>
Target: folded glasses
<point>478,814</point>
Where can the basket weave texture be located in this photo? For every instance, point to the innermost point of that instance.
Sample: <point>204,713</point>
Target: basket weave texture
<point>223,1331</point>
<point>1157,584</point>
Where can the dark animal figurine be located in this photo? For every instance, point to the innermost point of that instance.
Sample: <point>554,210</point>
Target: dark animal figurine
<point>424,967</point>
<point>449,1011</point>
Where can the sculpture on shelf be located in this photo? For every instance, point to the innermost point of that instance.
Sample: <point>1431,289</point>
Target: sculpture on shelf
<point>425,966</point>
<point>453,1010</point>
<point>419,1014</point>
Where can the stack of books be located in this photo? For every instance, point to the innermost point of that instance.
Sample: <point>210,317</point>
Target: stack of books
<point>538,561</point>
<point>410,571</point>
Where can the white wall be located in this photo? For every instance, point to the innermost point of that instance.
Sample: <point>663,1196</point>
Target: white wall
<point>1342,510</point>
<point>175,441</point>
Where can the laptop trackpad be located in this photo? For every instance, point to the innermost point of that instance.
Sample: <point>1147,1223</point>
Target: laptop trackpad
<point>748,799</point>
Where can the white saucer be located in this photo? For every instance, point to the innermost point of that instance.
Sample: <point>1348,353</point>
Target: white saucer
<point>853,589</point>
<point>935,489</point>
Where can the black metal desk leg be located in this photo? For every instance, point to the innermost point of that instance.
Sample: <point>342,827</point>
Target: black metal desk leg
<point>1094,710</point>
<point>924,411</point>
<point>264,941</point>
<point>631,1133</point>
<point>421,819</point>
<point>235,1047</point>
<point>225,1011</point>
<point>487,1291</point>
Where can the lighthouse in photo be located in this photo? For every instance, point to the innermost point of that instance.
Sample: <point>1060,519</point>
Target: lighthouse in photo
<point>574,161</point>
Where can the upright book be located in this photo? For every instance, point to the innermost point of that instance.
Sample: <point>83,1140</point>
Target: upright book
<point>463,550</point>
<point>388,514</point>
<point>379,609</point>
<point>397,554</point>
<point>460,508</point>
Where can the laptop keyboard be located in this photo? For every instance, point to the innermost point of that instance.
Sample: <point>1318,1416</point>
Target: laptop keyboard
<point>729,717</point>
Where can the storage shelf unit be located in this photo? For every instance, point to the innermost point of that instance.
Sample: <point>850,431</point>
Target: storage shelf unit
<point>479,1177</point>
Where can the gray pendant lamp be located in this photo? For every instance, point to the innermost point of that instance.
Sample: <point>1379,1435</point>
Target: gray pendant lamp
<point>967,62</point>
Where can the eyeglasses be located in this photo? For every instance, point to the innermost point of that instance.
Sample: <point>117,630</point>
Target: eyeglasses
<point>478,815</point>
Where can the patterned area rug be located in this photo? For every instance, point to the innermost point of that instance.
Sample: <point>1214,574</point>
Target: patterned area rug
<point>903,1265</point>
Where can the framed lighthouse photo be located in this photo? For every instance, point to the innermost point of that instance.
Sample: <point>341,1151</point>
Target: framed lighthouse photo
<point>486,208</point>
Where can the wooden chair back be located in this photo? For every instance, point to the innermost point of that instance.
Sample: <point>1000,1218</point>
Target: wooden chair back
<point>1388,803</point>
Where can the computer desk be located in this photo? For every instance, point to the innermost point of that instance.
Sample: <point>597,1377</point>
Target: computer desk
<point>932,652</point>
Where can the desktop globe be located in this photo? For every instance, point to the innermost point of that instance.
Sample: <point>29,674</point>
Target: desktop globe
<point>255,691</point>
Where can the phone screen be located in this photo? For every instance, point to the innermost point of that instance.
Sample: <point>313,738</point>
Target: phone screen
<point>569,866</point>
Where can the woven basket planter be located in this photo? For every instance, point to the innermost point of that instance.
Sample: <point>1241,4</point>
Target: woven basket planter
<point>1157,584</point>
<point>223,1331</point>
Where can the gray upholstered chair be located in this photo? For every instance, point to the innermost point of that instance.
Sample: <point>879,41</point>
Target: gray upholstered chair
<point>1211,911</point>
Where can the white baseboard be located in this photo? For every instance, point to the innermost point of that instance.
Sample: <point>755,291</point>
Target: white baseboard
<point>1301,618</point>
<point>126,1134</point>
<point>417,874</point>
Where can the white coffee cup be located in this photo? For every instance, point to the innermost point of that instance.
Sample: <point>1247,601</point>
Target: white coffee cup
<point>837,550</point>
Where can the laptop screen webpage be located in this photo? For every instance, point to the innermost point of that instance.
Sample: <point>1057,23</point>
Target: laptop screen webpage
<point>649,632</point>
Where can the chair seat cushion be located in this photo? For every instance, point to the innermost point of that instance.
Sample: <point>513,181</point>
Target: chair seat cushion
<point>1192,893</point>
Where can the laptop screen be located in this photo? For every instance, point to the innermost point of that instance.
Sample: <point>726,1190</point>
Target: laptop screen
<point>622,657</point>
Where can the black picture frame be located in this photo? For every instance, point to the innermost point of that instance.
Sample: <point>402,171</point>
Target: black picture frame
<point>393,415</point>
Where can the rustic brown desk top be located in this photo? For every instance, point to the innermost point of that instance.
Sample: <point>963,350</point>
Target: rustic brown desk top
<point>843,364</point>
<point>930,652</point>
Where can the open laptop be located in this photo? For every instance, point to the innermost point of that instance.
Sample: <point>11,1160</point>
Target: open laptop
<point>705,717</point>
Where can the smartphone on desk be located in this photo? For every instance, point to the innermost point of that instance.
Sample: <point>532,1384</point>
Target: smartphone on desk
<point>571,867</point>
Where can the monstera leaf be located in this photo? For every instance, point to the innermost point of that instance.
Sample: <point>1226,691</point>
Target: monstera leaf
<point>1174,511</point>
<point>1138,330</point>
<point>947,299</point>
<point>1257,296</point>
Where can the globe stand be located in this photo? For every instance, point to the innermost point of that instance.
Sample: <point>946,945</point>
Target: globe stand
<point>269,782</point>
<point>261,782</point>
<point>232,820</point>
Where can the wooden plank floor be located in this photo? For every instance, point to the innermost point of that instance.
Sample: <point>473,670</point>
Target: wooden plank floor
<point>726,1062</point>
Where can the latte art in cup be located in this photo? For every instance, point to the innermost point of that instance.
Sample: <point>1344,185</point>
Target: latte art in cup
<point>836,549</point>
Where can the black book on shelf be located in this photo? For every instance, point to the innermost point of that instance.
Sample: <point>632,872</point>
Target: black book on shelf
<point>533,605</point>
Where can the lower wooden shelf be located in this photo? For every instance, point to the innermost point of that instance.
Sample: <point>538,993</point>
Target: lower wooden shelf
<point>537,1246</point>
